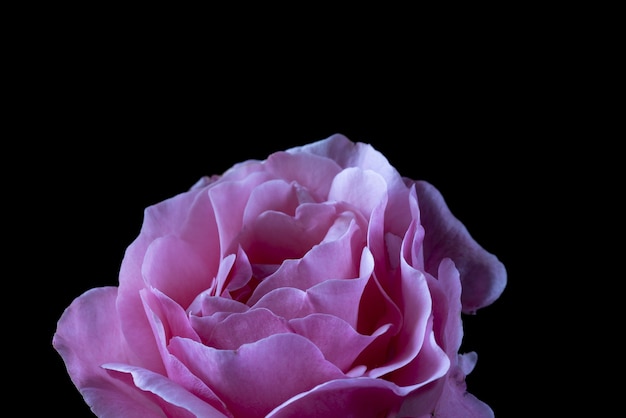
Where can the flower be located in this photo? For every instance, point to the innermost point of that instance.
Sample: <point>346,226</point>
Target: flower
<point>318,282</point>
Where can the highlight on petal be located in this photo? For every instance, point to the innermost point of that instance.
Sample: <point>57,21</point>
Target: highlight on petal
<point>362,188</point>
<point>173,399</point>
<point>315,173</point>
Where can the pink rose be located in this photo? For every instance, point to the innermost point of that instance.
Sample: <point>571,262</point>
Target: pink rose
<point>316,283</point>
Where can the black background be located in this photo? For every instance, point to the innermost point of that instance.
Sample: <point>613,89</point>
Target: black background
<point>110,126</point>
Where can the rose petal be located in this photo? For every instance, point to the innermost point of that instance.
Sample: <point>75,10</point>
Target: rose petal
<point>88,334</point>
<point>455,401</point>
<point>273,195</point>
<point>483,276</point>
<point>167,217</point>
<point>274,236</point>
<point>353,154</point>
<point>170,261</point>
<point>446,294</point>
<point>336,259</point>
<point>362,188</point>
<point>234,374</point>
<point>228,201</point>
<point>335,297</point>
<point>171,397</point>
<point>313,172</point>
<point>335,338</point>
<point>240,328</point>
<point>356,397</point>
<point>415,304</point>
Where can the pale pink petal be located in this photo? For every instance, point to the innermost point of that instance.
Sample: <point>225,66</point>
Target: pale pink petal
<point>364,189</point>
<point>170,261</point>
<point>244,328</point>
<point>336,297</point>
<point>88,334</point>
<point>166,318</point>
<point>206,304</point>
<point>336,338</point>
<point>277,195</point>
<point>352,154</point>
<point>175,400</point>
<point>229,200</point>
<point>234,374</point>
<point>312,172</point>
<point>239,275</point>
<point>165,218</point>
<point>483,276</point>
<point>119,400</point>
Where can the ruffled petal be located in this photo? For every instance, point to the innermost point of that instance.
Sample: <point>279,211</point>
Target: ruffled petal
<point>88,334</point>
<point>335,297</point>
<point>237,329</point>
<point>336,339</point>
<point>363,189</point>
<point>455,401</point>
<point>170,261</point>
<point>234,374</point>
<point>173,399</point>
<point>337,258</point>
<point>483,276</point>
<point>347,398</point>
<point>314,173</point>
<point>168,217</point>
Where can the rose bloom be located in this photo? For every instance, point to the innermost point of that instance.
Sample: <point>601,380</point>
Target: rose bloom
<point>316,283</point>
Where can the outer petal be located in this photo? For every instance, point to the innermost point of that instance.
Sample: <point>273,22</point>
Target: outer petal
<point>184,212</point>
<point>483,276</point>
<point>455,401</point>
<point>88,335</point>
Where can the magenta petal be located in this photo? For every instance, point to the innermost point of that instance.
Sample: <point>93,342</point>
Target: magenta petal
<point>288,363</point>
<point>171,397</point>
<point>483,276</point>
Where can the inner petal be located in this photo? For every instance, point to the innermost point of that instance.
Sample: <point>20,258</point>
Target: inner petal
<point>259,376</point>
